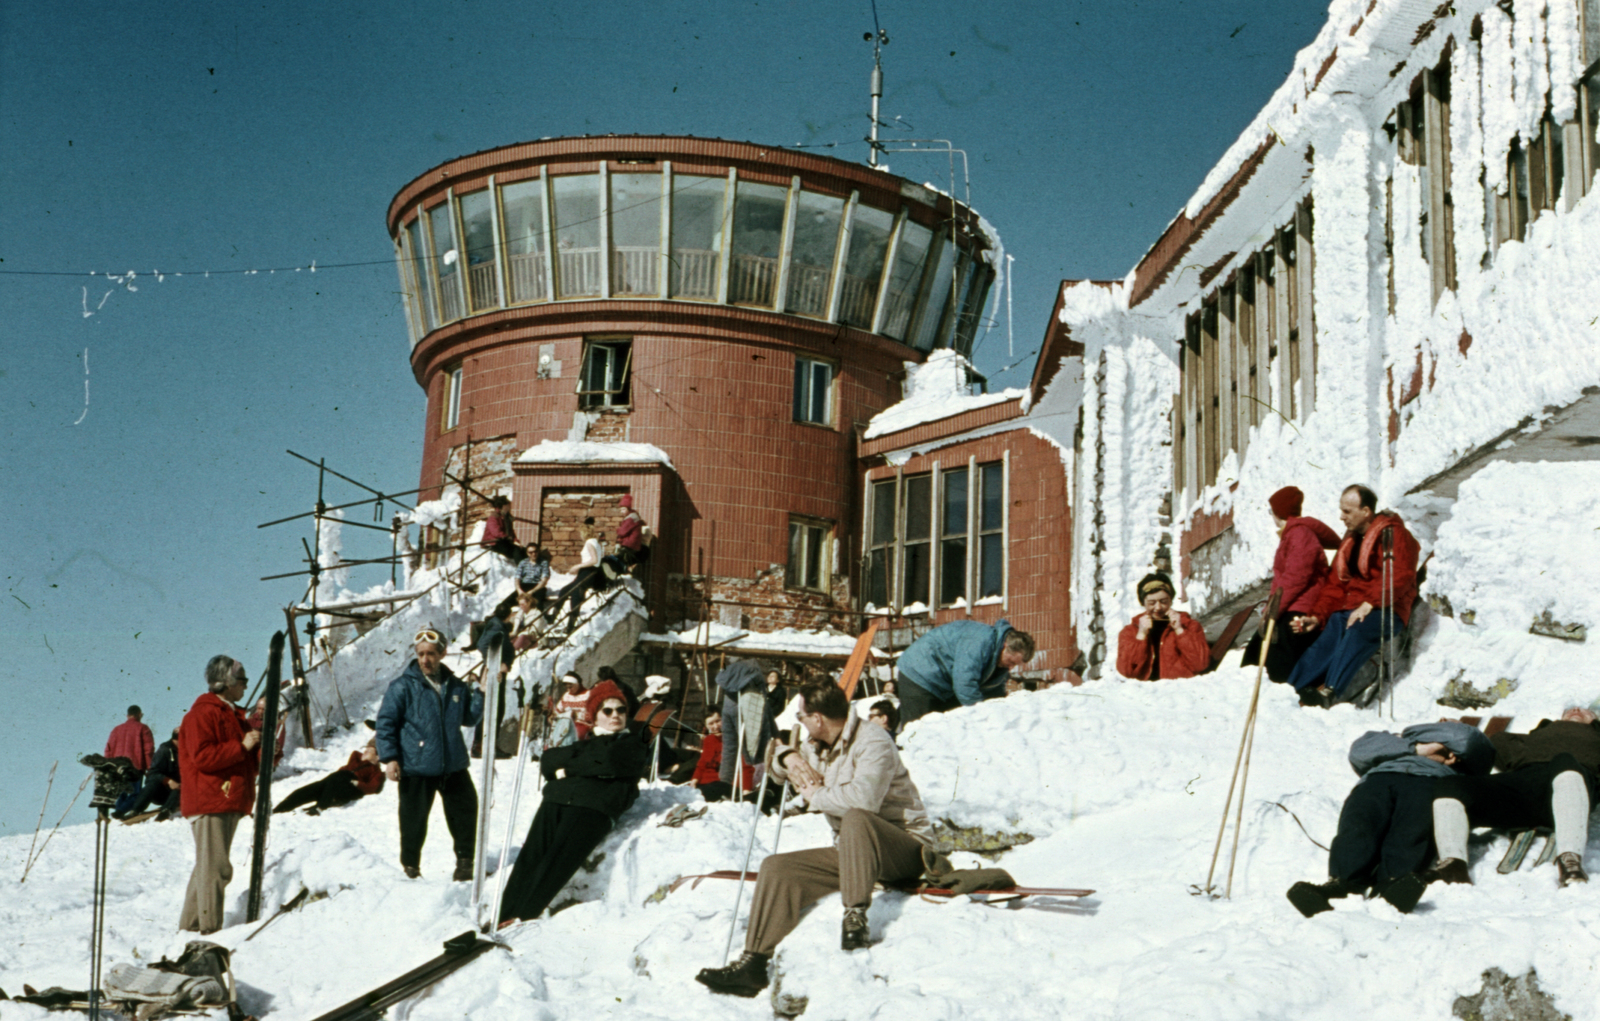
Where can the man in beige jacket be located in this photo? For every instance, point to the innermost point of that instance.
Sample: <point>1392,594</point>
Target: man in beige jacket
<point>852,773</point>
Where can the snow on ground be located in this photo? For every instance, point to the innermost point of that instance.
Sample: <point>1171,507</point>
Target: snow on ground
<point>1121,783</point>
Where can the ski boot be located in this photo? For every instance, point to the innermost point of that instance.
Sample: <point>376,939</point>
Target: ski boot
<point>463,872</point>
<point>1312,898</point>
<point>1569,869</point>
<point>745,977</point>
<point>1449,870</point>
<point>854,934</point>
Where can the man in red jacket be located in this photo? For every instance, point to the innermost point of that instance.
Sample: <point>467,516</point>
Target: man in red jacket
<point>1350,605</point>
<point>217,763</point>
<point>132,740</point>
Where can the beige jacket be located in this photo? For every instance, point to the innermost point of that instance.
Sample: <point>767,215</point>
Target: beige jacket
<point>861,770</point>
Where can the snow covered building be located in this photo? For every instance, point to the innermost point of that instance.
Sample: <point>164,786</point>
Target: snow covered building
<point>706,325</point>
<point>1389,278</point>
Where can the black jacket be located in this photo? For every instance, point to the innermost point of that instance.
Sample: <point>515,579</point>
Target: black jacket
<point>603,772</point>
<point>165,764</point>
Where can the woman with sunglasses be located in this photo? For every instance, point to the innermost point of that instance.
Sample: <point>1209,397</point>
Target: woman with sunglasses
<point>587,786</point>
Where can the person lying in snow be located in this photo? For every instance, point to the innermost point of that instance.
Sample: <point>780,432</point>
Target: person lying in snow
<point>850,771</point>
<point>1160,644</point>
<point>350,782</point>
<point>1349,606</point>
<point>587,786</point>
<point>1386,826</point>
<point>1547,778</point>
<point>1298,572</point>
<point>958,664</point>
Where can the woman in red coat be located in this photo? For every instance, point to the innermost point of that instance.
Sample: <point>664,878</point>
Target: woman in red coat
<point>1160,644</point>
<point>1298,570</point>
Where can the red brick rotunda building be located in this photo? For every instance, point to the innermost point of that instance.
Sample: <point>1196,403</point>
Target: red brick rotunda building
<point>705,325</point>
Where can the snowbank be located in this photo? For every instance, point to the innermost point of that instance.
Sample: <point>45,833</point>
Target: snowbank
<point>938,388</point>
<point>585,452</point>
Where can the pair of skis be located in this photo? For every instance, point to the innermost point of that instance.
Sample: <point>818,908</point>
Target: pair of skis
<point>907,887</point>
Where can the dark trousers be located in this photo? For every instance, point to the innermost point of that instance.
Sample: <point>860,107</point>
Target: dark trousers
<point>1385,829</point>
<point>1285,651</point>
<point>588,579</point>
<point>1516,800</point>
<point>154,792</point>
<point>460,800</point>
<point>561,838</point>
<point>916,702</point>
<point>337,788</point>
<point>1339,651</point>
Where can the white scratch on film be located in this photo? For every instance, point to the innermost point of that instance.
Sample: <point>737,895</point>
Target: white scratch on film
<point>85,383</point>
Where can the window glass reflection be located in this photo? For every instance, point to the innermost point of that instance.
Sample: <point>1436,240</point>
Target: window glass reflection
<point>816,239</point>
<point>635,233</point>
<point>863,265</point>
<point>757,240</point>
<point>934,307</point>
<point>527,266</point>
<point>423,287</point>
<point>446,261</point>
<point>477,223</point>
<point>577,234</point>
<point>696,235</point>
<point>909,258</point>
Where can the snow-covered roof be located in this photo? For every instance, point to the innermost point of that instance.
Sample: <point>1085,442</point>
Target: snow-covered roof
<point>938,388</point>
<point>584,452</point>
<point>782,641</point>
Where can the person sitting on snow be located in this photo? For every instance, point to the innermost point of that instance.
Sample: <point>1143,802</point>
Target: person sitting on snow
<point>533,574</point>
<point>1385,833</point>
<point>500,530</point>
<point>885,714</point>
<point>566,714</point>
<point>1298,572</point>
<point>587,786</point>
<point>161,784</point>
<point>1547,778</point>
<point>958,664</point>
<point>1345,605</point>
<point>1160,644</point>
<point>633,537</point>
<point>851,772</point>
<point>587,576</point>
<point>350,782</point>
<point>708,771</point>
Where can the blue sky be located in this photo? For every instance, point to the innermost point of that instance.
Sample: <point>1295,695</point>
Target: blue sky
<point>192,136</point>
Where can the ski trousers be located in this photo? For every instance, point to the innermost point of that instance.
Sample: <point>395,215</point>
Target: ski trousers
<point>337,788</point>
<point>460,800</point>
<point>916,702</point>
<point>560,840</point>
<point>870,849</point>
<point>202,903</point>
<point>1339,651</point>
<point>1516,800</point>
<point>1285,651</point>
<point>1385,829</point>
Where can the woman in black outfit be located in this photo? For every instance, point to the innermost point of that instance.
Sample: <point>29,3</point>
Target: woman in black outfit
<point>587,786</point>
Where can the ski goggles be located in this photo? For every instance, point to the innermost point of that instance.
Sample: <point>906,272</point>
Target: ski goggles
<point>430,636</point>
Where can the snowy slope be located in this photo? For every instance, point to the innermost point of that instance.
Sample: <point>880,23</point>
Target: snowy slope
<point>1121,783</point>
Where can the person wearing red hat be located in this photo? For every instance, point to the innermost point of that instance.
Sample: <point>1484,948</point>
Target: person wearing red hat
<point>587,786</point>
<point>633,536</point>
<point>1298,570</point>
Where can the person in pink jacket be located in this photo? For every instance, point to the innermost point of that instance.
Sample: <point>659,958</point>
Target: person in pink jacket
<point>1298,570</point>
<point>132,740</point>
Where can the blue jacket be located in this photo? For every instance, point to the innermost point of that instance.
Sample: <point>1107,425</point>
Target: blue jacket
<point>421,729</point>
<point>959,660</point>
<point>1378,751</point>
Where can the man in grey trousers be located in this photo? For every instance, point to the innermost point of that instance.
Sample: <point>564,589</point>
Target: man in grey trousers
<point>851,772</point>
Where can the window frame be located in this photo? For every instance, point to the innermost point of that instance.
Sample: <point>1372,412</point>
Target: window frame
<point>805,367</point>
<point>601,399</point>
<point>450,397</point>
<point>815,533</point>
<point>970,531</point>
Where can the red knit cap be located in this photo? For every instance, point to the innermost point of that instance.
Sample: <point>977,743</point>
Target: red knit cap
<point>597,697</point>
<point>1286,502</point>
<point>627,500</point>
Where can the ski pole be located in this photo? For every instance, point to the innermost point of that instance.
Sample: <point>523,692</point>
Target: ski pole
<point>524,740</point>
<point>489,728</point>
<point>738,895</point>
<point>783,803</point>
<point>1386,620</point>
<point>1270,614</point>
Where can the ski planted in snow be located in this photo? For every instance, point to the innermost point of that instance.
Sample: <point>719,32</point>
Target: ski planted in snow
<point>459,951</point>
<point>267,750</point>
<point>489,727</point>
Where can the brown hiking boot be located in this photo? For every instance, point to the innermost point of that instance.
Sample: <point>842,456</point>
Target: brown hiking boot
<point>745,977</point>
<point>1569,869</point>
<point>1449,870</point>
<point>855,934</point>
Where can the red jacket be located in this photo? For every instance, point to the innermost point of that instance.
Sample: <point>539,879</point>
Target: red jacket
<point>1181,655</point>
<point>1348,588</point>
<point>630,532</point>
<point>709,768</point>
<point>131,739</point>
<point>217,773</point>
<point>369,777</point>
<point>496,528</point>
<point>1299,568</point>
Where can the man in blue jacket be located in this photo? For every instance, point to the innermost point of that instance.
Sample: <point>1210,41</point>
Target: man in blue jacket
<point>1385,837</point>
<point>960,663</point>
<point>420,747</point>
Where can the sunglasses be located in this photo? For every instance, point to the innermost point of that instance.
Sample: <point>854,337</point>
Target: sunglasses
<point>615,710</point>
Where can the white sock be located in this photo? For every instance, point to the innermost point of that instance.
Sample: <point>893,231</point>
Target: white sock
<point>1450,828</point>
<point>1569,803</point>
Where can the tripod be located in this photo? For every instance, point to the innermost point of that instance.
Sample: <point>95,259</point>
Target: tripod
<point>102,855</point>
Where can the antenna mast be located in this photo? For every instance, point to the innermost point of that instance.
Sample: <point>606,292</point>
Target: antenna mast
<point>879,39</point>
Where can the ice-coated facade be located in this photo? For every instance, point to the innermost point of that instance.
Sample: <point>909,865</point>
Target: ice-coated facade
<point>1389,278</point>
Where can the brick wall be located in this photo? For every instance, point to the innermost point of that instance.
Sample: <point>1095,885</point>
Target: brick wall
<point>561,522</point>
<point>490,466</point>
